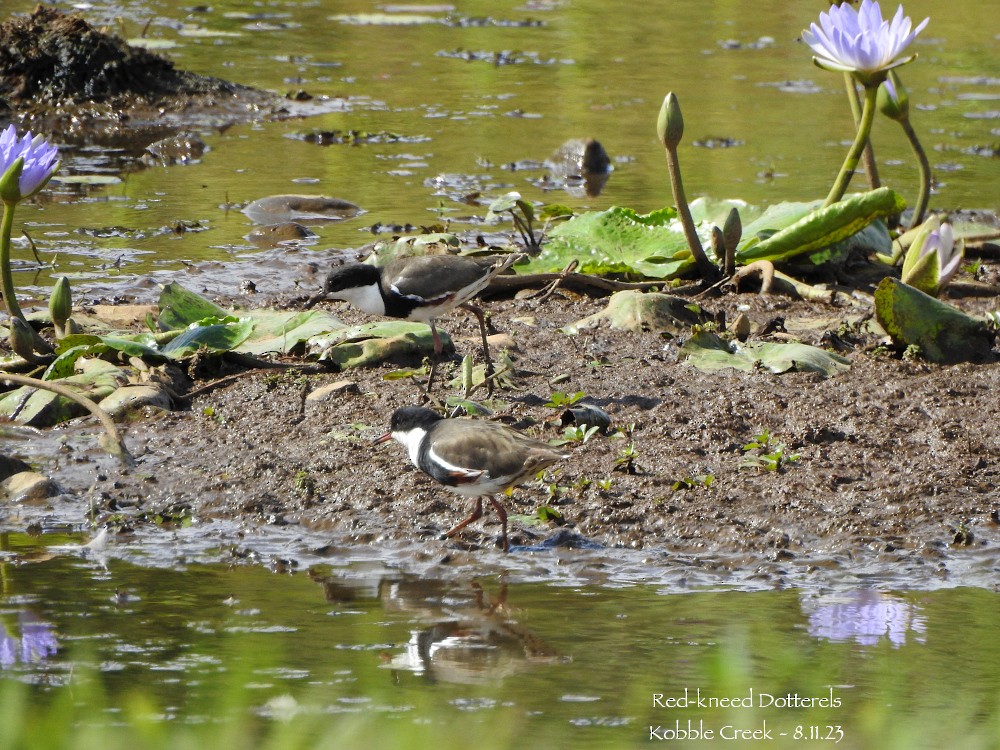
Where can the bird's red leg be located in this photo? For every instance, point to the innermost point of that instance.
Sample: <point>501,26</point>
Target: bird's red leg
<point>486,344</point>
<point>502,515</point>
<point>475,515</point>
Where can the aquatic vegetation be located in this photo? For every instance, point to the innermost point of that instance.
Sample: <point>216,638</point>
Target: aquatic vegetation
<point>860,41</point>
<point>862,44</point>
<point>26,165</point>
<point>934,257</point>
<point>764,452</point>
<point>894,102</point>
<point>670,129</point>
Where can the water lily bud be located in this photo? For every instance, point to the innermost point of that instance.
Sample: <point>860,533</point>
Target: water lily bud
<point>670,122</point>
<point>933,258</point>
<point>60,303</point>
<point>732,230</point>
<point>10,191</point>
<point>22,339</point>
<point>893,99</point>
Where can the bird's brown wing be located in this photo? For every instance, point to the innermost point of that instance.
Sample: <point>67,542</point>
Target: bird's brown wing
<point>434,277</point>
<point>493,448</point>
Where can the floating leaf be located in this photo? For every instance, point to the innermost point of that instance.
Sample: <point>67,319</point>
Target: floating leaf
<point>709,352</point>
<point>221,336</point>
<point>40,408</point>
<point>617,241</point>
<point>943,333</point>
<point>281,331</point>
<point>818,229</point>
<point>180,307</point>
<point>372,343</point>
<point>644,311</point>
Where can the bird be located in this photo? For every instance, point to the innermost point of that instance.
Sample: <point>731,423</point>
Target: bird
<point>470,457</point>
<point>420,288</point>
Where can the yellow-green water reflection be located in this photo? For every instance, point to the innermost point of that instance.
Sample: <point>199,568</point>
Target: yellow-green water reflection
<point>388,656</point>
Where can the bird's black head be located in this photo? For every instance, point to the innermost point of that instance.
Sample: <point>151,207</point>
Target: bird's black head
<point>351,276</point>
<point>408,418</point>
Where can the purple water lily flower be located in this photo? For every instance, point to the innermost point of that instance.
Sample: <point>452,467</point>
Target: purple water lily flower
<point>37,642</point>
<point>865,617</point>
<point>40,162</point>
<point>861,41</point>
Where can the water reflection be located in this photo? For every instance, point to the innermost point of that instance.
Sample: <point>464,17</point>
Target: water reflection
<point>463,634</point>
<point>864,616</point>
<point>36,644</point>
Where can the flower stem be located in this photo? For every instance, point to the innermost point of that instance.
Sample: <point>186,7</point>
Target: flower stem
<point>708,271</point>
<point>924,168</point>
<point>854,154</point>
<point>868,156</point>
<point>6,277</point>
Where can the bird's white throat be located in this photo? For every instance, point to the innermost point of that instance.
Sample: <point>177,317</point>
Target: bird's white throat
<point>412,439</point>
<point>366,298</point>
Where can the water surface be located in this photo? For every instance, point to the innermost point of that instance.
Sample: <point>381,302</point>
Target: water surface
<point>461,97</point>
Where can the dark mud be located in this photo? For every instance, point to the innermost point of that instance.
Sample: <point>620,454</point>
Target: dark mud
<point>894,482</point>
<point>59,73</point>
<point>895,479</point>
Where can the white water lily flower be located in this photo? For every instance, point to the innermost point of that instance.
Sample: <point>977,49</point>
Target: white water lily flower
<point>861,41</point>
<point>933,258</point>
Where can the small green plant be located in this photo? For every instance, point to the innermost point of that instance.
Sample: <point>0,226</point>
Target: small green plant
<point>604,485</point>
<point>579,433</point>
<point>560,400</point>
<point>305,483</point>
<point>546,514</point>
<point>771,453</point>
<point>699,480</point>
<point>973,268</point>
<point>626,459</point>
<point>623,433</point>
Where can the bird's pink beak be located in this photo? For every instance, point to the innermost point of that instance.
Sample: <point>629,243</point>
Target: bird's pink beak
<point>382,439</point>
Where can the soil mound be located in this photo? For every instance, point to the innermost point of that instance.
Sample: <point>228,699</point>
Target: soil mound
<point>51,62</point>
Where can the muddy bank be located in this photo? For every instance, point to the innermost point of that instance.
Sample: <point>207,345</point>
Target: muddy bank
<point>889,470</point>
<point>57,72</point>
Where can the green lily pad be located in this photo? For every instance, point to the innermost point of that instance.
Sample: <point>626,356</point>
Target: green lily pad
<point>709,352</point>
<point>222,336</point>
<point>617,241</point>
<point>180,307</point>
<point>282,331</point>
<point>943,333</point>
<point>817,229</point>
<point>644,311</point>
<point>373,343</point>
<point>71,348</point>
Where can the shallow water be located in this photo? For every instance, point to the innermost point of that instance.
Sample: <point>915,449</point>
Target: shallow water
<point>594,665</point>
<point>467,102</point>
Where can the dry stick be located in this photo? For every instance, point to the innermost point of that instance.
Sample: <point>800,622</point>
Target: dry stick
<point>575,280</point>
<point>117,448</point>
<point>545,292</point>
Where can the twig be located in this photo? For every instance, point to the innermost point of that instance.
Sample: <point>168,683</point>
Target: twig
<point>117,444</point>
<point>545,292</point>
